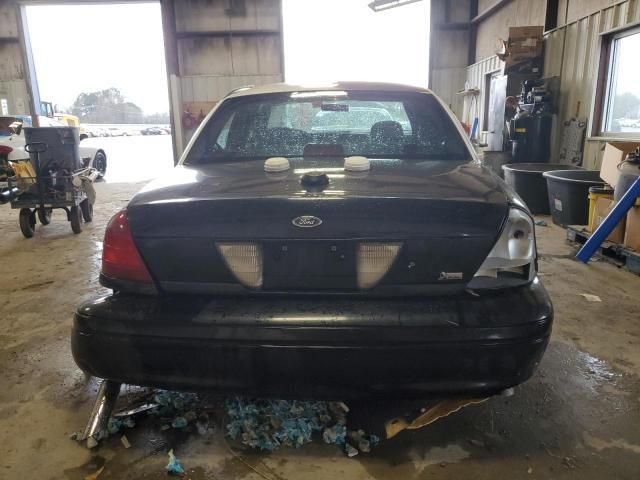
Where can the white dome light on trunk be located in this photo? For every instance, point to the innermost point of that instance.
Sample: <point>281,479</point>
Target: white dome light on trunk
<point>356,164</point>
<point>276,164</point>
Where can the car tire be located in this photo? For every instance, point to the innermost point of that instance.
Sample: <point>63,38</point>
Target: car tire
<point>44,215</point>
<point>27,222</point>
<point>100,163</point>
<point>87,210</point>
<point>75,217</point>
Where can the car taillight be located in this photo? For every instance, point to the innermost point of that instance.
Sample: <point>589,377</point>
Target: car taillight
<point>5,150</point>
<point>374,261</point>
<point>120,257</point>
<point>512,260</point>
<point>245,262</point>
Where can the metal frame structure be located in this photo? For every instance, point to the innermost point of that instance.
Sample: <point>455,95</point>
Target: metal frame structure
<point>381,5</point>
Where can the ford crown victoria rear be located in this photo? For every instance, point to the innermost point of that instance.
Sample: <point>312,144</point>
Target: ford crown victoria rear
<point>334,241</point>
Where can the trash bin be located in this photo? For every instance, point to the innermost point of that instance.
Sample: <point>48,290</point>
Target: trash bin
<point>569,195</point>
<point>62,151</point>
<point>527,180</point>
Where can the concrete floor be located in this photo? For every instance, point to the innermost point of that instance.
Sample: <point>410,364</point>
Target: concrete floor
<point>578,417</point>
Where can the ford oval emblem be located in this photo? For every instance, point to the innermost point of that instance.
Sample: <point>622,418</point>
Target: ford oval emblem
<point>306,221</point>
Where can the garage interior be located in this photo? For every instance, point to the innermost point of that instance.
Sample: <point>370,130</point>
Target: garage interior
<point>577,417</point>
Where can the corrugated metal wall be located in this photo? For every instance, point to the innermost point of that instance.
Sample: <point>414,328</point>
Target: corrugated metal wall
<point>13,87</point>
<point>496,26</point>
<point>474,105</point>
<point>571,52</point>
<point>211,88</point>
<point>218,45</point>
<point>449,51</point>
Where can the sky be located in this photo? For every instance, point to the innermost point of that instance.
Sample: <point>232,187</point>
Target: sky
<point>86,48</point>
<point>327,40</point>
<point>628,74</point>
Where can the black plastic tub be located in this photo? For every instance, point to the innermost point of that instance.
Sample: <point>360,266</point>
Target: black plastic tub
<point>569,195</point>
<point>527,180</point>
<point>62,147</point>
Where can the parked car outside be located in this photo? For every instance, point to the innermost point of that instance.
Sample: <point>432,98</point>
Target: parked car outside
<point>358,260</point>
<point>151,131</point>
<point>115,132</point>
<point>95,157</point>
<point>91,131</point>
<point>130,131</point>
<point>94,131</point>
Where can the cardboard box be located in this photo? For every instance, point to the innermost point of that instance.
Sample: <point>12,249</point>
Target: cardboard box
<point>614,153</point>
<point>632,232</point>
<point>601,210</point>
<point>526,41</point>
<point>526,32</point>
<point>523,51</point>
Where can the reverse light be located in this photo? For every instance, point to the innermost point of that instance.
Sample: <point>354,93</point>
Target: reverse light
<point>120,257</point>
<point>245,262</point>
<point>374,261</point>
<point>513,255</point>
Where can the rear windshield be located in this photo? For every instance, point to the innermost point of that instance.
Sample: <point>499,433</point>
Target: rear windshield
<point>407,126</point>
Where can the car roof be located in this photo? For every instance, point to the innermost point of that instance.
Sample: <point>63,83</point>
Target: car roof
<point>333,86</point>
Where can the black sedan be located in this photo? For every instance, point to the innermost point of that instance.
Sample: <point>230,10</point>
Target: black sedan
<point>280,260</point>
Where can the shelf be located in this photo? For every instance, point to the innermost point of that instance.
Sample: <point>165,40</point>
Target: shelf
<point>468,93</point>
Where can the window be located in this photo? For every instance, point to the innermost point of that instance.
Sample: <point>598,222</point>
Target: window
<point>377,125</point>
<point>620,89</point>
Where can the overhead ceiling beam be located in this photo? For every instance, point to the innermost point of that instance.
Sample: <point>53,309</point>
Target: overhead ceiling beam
<point>227,33</point>
<point>490,10</point>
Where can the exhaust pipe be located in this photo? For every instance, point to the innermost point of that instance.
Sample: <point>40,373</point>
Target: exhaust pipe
<point>102,408</point>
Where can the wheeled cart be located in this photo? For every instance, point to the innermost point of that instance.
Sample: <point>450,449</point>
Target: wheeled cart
<point>51,179</point>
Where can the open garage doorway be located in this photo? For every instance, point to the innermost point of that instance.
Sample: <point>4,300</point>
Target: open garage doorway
<point>104,64</point>
<point>328,40</point>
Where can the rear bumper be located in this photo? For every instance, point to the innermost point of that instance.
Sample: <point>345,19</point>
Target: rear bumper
<point>325,347</point>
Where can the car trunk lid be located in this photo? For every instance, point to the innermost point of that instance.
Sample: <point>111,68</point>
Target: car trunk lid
<point>445,217</point>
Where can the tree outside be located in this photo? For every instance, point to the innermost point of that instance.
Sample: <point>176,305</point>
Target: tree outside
<point>110,106</point>
<point>625,105</point>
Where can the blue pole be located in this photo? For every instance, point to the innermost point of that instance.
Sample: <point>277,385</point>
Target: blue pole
<point>608,224</point>
<point>474,128</point>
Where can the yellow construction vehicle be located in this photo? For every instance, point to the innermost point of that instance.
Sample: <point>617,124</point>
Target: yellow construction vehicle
<point>71,121</point>
<point>64,118</point>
